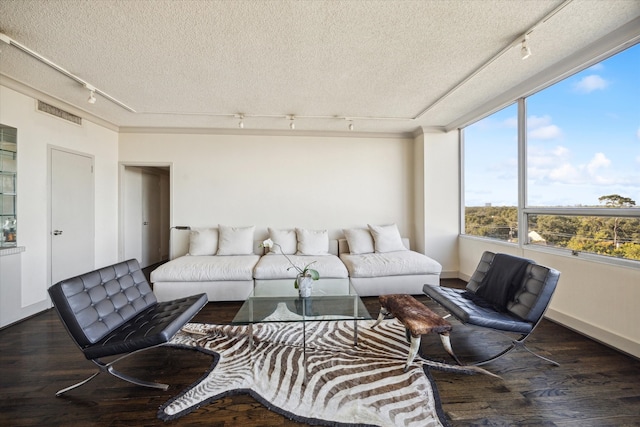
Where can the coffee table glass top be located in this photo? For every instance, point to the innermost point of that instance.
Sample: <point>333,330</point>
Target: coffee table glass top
<point>278,301</point>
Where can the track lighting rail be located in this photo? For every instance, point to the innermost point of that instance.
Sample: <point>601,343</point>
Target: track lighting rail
<point>92,89</point>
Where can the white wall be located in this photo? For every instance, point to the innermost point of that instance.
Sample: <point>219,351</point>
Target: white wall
<point>282,181</point>
<point>440,203</point>
<point>596,299</point>
<point>36,132</point>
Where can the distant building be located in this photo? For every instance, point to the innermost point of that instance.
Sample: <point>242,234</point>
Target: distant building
<point>536,238</point>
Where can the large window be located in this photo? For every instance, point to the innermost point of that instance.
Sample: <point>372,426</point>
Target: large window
<point>582,163</point>
<point>583,135</point>
<point>491,176</point>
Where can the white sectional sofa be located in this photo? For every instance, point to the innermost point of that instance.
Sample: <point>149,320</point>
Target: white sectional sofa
<point>300,247</point>
<point>216,261</point>
<point>226,262</point>
<point>380,262</point>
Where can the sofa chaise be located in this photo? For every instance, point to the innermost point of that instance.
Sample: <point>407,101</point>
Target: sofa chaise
<point>216,261</point>
<point>380,262</point>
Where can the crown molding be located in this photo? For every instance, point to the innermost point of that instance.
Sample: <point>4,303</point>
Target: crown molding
<point>266,132</point>
<point>22,88</point>
<point>422,130</point>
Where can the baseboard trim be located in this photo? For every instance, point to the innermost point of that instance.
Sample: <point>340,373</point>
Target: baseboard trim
<point>602,336</point>
<point>449,275</point>
<point>617,342</point>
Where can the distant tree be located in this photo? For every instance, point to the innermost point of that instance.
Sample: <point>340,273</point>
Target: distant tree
<point>497,222</point>
<point>610,236</point>
<point>616,201</point>
<point>556,229</point>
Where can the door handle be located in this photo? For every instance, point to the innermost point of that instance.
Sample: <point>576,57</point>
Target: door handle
<point>57,232</point>
<point>145,223</point>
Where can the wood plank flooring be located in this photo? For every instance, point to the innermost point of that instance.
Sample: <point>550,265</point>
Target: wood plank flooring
<point>594,386</point>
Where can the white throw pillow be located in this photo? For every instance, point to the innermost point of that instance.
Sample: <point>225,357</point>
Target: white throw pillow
<point>387,238</point>
<point>360,240</point>
<point>203,241</point>
<point>286,239</point>
<point>235,240</point>
<point>312,242</point>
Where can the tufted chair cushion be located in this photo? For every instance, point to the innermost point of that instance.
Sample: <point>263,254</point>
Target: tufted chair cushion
<point>532,299</point>
<point>153,326</point>
<point>113,310</point>
<point>481,271</point>
<point>96,303</point>
<point>523,311</point>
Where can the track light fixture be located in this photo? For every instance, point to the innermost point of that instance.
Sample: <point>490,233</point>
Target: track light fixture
<point>292,125</point>
<point>92,93</point>
<point>241,122</point>
<point>350,124</point>
<point>525,50</point>
<point>92,99</point>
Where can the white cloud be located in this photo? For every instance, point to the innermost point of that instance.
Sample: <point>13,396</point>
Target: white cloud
<point>538,121</point>
<point>590,83</point>
<point>564,173</point>
<point>599,161</point>
<point>542,162</point>
<point>541,127</point>
<point>556,165</point>
<point>560,151</point>
<point>490,123</point>
<point>546,132</point>
<point>510,123</point>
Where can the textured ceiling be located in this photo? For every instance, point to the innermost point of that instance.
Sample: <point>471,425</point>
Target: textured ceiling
<point>194,64</point>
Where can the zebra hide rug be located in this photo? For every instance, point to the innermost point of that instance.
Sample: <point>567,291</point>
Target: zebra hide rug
<point>346,385</point>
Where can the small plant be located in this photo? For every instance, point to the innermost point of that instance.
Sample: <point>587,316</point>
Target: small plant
<point>302,272</point>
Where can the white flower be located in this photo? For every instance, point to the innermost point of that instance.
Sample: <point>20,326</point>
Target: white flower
<point>304,272</point>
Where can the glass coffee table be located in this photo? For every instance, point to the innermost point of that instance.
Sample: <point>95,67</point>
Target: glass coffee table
<point>278,301</point>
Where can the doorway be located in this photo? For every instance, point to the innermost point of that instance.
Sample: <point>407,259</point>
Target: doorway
<point>145,213</point>
<point>72,217</point>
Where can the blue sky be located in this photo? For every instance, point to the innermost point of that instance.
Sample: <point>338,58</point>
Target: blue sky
<point>583,138</point>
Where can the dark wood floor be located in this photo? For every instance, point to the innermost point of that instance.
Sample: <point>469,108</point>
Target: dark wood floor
<point>594,386</point>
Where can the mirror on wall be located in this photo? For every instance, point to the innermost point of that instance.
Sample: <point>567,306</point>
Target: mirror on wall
<point>8,186</point>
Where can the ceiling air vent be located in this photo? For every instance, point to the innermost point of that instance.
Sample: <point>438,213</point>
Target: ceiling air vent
<point>55,111</point>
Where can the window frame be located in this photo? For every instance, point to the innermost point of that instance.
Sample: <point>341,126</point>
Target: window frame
<point>524,211</point>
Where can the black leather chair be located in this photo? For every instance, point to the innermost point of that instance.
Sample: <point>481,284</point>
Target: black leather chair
<point>527,295</point>
<point>113,311</point>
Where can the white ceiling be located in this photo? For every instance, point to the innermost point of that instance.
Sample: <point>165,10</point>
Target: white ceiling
<point>196,63</point>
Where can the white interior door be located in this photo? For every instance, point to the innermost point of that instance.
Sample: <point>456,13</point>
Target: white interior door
<point>132,210</point>
<point>72,214</point>
<point>151,252</point>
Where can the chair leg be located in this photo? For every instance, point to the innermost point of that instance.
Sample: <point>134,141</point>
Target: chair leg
<point>108,368</point>
<point>519,343</point>
<point>136,381</point>
<point>64,390</point>
<point>553,362</point>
